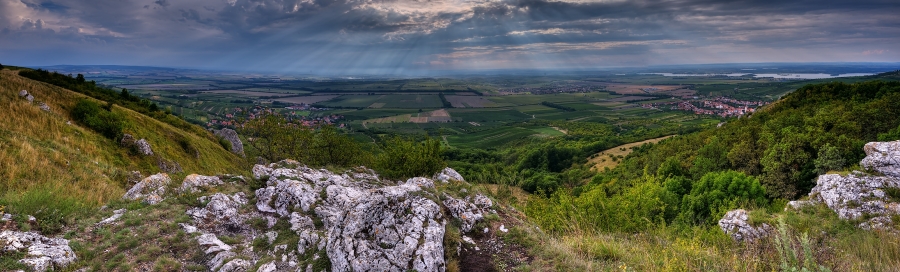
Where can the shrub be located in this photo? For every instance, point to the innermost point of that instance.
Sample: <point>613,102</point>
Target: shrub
<point>95,117</point>
<point>403,158</point>
<point>717,192</point>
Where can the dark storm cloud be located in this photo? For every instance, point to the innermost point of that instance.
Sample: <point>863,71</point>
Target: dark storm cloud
<point>399,35</point>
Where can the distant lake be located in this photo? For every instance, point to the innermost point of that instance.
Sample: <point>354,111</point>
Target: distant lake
<point>780,76</point>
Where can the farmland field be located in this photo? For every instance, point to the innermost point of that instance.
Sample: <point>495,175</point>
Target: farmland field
<point>481,111</point>
<point>312,99</point>
<point>470,101</point>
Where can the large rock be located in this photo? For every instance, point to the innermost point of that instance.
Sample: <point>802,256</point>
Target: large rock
<point>231,136</point>
<point>883,157</point>
<point>861,195</point>
<point>221,212</point>
<point>143,147</point>
<point>150,190</point>
<point>448,174</point>
<point>735,223</point>
<point>193,183</point>
<point>855,195</point>
<point>366,224</point>
<point>42,253</point>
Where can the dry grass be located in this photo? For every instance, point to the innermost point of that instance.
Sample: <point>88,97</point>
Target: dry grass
<point>605,159</point>
<point>37,148</point>
<point>40,151</point>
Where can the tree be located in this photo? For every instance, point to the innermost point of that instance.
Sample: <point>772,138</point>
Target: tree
<point>79,78</point>
<point>718,192</point>
<point>829,159</point>
<point>1,66</point>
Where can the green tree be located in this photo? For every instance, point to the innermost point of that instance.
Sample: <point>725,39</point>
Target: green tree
<point>716,193</point>
<point>829,159</point>
<point>403,158</point>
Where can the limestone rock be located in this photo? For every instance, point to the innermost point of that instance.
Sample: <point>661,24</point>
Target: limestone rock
<point>221,212</point>
<point>365,225</point>
<point>143,147</point>
<point>798,204</point>
<point>268,267</point>
<point>855,195</point>
<point>42,253</point>
<point>23,93</point>
<point>150,190</point>
<point>466,212</point>
<point>29,98</point>
<point>448,174</point>
<point>236,265</point>
<point>735,223</point>
<point>883,157</point>
<point>216,251</point>
<point>193,182</point>
<point>116,215</point>
<point>231,136</point>
<point>44,106</point>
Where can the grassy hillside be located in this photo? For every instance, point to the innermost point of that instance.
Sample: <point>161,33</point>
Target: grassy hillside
<point>53,167</point>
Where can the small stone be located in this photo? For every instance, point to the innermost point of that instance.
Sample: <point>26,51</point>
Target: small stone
<point>193,182</point>
<point>29,98</point>
<point>503,229</point>
<point>447,175</point>
<point>44,106</point>
<point>23,93</point>
<point>150,189</point>
<point>143,147</point>
<point>116,215</point>
<point>736,224</point>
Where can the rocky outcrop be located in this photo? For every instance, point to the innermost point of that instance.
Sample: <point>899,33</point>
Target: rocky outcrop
<point>231,136</point>
<point>736,224</point>
<point>855,195</point>
<point>143,147</point>
<point>221,212</point>
<point>42,253</point>
<point>882,157</point>
<point>368,226</point>
<point>357,220</point>
<point>150,190</point>
<point>860,195</point>
<point>447,175</point>
<point>193,183</point>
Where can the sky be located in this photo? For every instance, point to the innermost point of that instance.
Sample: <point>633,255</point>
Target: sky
<point>407,36</point>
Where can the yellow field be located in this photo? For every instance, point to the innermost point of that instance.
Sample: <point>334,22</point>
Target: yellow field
<point>602,160</point>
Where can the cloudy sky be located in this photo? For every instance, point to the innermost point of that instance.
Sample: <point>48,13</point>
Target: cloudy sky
<point>399,36</point>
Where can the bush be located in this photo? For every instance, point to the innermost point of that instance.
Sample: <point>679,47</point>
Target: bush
<point>403,158</point>
<point>95,117</point>
<point>716,193</point>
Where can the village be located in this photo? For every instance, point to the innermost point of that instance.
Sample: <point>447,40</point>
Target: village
<point>719,106</point>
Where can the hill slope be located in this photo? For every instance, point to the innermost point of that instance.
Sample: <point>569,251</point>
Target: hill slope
<point>52,167</point>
